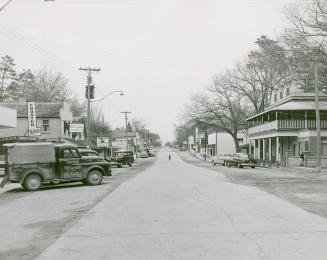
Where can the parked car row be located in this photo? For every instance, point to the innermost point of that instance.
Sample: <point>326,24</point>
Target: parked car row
<point>239,160</point>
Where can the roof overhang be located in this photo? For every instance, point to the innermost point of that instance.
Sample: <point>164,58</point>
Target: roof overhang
<point>295,103</point>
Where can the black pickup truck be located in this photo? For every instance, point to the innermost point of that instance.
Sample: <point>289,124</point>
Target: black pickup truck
<point>34,164</point>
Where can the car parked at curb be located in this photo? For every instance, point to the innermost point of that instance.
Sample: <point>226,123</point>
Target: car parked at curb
<point>35,164</point>
<point>221,158</point>
<point>121,158</point>
<point>240,160</point>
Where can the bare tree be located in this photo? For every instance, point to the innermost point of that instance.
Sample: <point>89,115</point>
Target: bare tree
<point>221,108</point>
<point>265,68</point>
<point>7,74</point>
<point>50,87</point>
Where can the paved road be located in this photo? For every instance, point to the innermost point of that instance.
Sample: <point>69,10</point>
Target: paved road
<point>174,210</point>
<point>32,221</point>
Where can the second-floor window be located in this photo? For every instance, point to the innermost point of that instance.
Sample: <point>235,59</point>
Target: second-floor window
<point>275,97</point>
<point>45,125</point>
<point>287,91</point>
<point>281,95</point>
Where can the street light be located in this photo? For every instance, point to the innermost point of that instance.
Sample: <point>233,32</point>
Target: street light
<point>112,92</point>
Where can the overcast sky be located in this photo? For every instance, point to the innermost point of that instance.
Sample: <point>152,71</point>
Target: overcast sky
<point>158,52</point>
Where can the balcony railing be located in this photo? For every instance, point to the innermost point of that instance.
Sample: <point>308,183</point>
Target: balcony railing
<point>263,128</point>
<point>291,124</point>
<point>286,124</point>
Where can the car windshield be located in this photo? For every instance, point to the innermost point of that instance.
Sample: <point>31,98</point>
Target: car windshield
<point>243,156</point>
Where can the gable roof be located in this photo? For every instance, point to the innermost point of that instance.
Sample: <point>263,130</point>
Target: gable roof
<point>51,110</point>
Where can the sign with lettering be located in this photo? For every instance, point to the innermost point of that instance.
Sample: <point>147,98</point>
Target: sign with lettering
<point>76,128</point>
<point>31,117</point>
<point>102,142</point>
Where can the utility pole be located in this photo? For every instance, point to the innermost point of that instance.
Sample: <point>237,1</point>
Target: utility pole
<point>88,97</point>
<point>4,6</point>
<point>126,113</point>
<point>317,118</point>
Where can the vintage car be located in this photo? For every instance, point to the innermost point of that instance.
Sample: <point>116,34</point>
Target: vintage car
<point>34,164</point>
<point>144,154</point>
<point>240,160</point>
<point>221,158</point>
<point>121,158</point>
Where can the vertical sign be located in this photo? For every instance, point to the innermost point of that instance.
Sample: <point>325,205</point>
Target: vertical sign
<point>31,117</point>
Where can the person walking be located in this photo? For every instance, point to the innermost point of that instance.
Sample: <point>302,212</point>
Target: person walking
<point>169,157</point>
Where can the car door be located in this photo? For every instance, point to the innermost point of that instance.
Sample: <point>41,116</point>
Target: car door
<point>70,164</point>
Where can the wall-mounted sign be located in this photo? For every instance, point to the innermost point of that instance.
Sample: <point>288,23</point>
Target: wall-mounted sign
<point>76,128</point>
<point>102,141</point>
<point>31,117</point>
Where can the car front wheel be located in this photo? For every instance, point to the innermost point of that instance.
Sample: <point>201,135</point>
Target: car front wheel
<point>94,177</point>
<point>32,182</point>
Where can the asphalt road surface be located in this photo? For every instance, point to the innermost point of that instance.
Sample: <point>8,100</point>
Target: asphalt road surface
<point>32,221</point>
<point>174,210</point>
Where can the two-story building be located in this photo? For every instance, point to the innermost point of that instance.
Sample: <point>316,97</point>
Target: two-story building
<point>287,128</point>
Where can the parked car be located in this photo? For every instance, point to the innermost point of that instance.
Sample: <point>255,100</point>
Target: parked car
<point>121,158</point>
<point>144,154</point>
<point>34,164</point>
<point>240,160</point>
<point>221,158</point>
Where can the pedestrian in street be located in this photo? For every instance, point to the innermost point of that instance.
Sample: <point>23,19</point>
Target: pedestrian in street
<point>169,157</point>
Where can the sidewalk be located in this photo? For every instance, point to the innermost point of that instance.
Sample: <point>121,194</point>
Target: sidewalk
<point>300,170</point>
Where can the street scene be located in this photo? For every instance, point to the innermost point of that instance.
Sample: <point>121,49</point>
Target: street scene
<point>163,129</point>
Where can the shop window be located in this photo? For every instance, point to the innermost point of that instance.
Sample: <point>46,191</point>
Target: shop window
<point>45,125</point>
<point>306,146</point>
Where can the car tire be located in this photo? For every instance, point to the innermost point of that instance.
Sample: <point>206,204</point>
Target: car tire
<point>252,167</point>
<point>228,164</point>
<point>213,163</point>
<point>239,165</point>
<point>32,182</point>
<point>224,163</point>
<point>130,165</point>
<point>94,177</point>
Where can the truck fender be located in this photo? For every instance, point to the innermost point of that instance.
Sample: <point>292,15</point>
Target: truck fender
<point>31,172</point>
<point>95,167</point>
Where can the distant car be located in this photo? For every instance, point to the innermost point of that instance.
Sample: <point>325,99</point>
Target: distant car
<point>121,158</point>
<point>152,153</point>
<point>221,158</point>
<point>88,152</point>
<point>240,160</point>
<point>144,154</point>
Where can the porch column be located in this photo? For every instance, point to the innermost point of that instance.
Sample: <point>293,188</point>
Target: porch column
<point>259,149</point>
<point>269,150</point>
<point>263,149</point>
<point>250,148</point>
<point>254,150</point>
<point>277,151</point>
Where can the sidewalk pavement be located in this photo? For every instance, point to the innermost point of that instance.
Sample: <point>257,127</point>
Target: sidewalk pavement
<point>300,170</point>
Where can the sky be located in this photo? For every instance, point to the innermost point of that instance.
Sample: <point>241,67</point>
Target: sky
<point>159,52</point>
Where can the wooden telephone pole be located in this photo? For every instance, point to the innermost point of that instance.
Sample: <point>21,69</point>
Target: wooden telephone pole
<point>88,97</point>
<point>126,113</point>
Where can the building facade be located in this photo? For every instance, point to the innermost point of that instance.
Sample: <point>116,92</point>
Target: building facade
<point>52,120</point>
<point>287,128</point>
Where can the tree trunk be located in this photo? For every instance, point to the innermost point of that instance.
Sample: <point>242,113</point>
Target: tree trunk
<point>237,146</point>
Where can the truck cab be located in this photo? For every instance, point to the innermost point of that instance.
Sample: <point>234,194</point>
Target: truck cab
<point>34,164</point>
